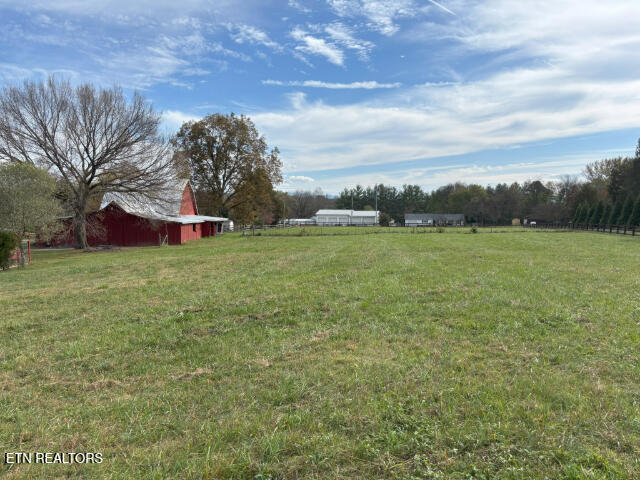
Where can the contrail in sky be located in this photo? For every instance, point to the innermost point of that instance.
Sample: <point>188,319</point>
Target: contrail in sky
<point>442,7</point>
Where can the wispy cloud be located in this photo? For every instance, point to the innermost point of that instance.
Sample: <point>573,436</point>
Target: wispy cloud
<point>252,35</point>
<point>369,85</point>
<point>298,6</point>
<point>317,46</point>
<point>381,14</point>
<point>343,35</point>
<point>426,122</point>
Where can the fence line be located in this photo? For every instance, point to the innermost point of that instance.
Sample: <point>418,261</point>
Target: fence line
<point>595,227</point>
<point>316,230</point>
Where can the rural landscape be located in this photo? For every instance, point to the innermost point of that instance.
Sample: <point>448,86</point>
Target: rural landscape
<point>430,275</point>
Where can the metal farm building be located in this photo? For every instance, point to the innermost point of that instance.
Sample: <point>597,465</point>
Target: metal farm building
<point>427,219</point>
<point>346,217</point>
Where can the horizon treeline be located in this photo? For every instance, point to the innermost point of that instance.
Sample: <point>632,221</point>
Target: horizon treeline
<point>608,194</point>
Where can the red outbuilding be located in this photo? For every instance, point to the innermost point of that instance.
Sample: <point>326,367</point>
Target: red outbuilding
<point>128,220</point>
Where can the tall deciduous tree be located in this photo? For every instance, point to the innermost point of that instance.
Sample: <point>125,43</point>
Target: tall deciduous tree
<point>94,139</point>
<point>230,163</point>
<point>28,202</point>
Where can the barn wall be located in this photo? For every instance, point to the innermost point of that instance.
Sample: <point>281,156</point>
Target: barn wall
<point>126,230</point>
<point>113,226</point>
<point>209,229</point>
<point>174,233</point>
<point>187,232</point>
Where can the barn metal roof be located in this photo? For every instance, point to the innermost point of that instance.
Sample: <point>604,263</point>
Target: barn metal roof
<point>166,209</point>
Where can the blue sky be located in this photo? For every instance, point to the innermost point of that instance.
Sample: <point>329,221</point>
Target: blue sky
<point>363,91</point>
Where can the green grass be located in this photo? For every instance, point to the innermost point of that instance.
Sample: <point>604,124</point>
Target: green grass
<point>444,356</point>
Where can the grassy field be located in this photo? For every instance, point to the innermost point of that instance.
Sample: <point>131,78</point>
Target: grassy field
<point>442,356</point>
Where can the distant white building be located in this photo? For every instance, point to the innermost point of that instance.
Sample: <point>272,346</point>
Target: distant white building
<point>299,221</point>
<point>347,217</point>
<point>425,219</point>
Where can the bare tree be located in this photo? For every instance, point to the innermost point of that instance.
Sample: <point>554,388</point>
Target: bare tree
<point>93,139</point>
<point>305,203</point>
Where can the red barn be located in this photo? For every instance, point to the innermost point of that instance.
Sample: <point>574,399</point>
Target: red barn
<point>128,220</point>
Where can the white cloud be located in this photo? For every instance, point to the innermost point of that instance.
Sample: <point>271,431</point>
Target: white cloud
<point>433,177</point>
<point>318,46</point>
<point>381,14</point>
<point>300,178</point>
<point>252,35</point>
<point>342,34</point>
<point>172,120</point>
<point>298,6</point>
<point>370,85</point>
<point>423,122</point>
<point>567,81</point>
<point>165,61</point>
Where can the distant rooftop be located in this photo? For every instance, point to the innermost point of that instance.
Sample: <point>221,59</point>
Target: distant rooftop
<point>351,213</point>
<point>450,217</point>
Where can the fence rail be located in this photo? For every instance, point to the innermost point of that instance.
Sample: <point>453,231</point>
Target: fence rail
<point>250,230</point>
<point>602,228</point>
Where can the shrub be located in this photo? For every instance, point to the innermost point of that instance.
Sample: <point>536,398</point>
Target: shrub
<point>384,219</point>
<point>440,230</point>
<point>8,243</point>
<point>474,229</point>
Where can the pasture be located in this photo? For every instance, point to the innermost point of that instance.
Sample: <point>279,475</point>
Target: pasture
<point>442,356</point>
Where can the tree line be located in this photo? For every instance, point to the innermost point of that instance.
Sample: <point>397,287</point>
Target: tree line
<point>608,194</point>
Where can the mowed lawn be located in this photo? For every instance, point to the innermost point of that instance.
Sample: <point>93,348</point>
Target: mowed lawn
<point>446,356</point>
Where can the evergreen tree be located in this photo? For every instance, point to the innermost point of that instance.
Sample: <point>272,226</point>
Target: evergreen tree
<point>589,213</point>
<point>634,219</point>
<point>615,213</point>
<point>579,213</point>
<point>597,213</point>
<point>627,208</point>
<point>606,213</point>
<point>586,212</point>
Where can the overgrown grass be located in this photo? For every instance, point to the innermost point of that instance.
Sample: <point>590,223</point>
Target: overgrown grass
<point>366,356</point>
